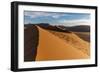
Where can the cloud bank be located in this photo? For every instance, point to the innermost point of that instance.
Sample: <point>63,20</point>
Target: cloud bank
<point>56,18</point>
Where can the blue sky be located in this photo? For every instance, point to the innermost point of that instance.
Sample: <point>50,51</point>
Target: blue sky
<point>56,18</point>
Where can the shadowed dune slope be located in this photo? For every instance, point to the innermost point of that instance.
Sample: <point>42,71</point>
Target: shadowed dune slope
<point>51,47</point>
<point>31,34</point>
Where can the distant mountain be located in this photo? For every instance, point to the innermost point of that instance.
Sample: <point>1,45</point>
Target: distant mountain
<point>51,27</point>
<point>79,28</point>
<point>44,25</point>
<point>61,28</point>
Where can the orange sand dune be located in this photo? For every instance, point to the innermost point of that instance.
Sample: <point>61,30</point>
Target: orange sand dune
<point>74,40</point>
<point>52,47</point>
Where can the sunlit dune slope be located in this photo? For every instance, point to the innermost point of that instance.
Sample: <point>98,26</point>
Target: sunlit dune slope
<point>51,47</point>
<point>74,40</point>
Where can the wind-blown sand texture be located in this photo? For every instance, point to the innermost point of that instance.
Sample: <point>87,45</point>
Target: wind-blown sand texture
<point>55,45</point>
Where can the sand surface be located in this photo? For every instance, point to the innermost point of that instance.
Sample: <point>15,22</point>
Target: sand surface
<point>53,47</point>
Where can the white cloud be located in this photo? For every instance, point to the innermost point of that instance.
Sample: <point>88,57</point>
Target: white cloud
<point>38,14</point>
<point>74,22</point>
<point>35,14</point>
<point>55,16</point>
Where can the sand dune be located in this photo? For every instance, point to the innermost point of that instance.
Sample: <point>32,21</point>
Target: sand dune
<point>30,42</point>
<point>51,47</point>
<point>74,40</point>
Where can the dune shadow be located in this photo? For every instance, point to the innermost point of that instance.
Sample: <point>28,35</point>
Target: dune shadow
<point>31,38</point>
